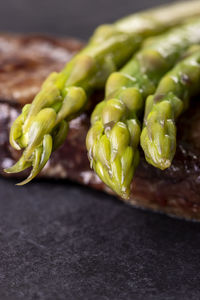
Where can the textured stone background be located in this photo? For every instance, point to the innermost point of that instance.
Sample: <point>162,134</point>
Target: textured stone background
<point>59,240</point>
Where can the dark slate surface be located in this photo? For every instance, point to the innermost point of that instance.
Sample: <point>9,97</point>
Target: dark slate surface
<point>59,240</point>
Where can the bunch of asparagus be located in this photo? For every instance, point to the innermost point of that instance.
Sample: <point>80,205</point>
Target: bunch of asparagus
<point>113,139</point>
<point>165,42</point>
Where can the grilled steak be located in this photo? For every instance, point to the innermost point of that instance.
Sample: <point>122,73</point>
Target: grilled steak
<point>175,191</point>
<point>25,61</point>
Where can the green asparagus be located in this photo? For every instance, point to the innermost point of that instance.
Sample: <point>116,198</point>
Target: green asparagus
<point>43,125</point>
<point>158,138</point>
<point>112,142</point>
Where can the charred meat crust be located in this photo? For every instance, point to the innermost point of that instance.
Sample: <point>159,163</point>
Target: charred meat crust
<point>175,191</point>
<point>25,61</point>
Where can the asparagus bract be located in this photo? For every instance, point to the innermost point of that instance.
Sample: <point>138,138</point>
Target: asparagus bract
<point>43,125</point>
<point>112,142</point>
<point>158,138</point>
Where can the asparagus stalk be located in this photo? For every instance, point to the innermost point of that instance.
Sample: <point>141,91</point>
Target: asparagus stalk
<point>158,138</point>
<point>43,125</point>
<point>112,142</point>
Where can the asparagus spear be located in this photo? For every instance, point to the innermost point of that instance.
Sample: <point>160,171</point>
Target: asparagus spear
<point>112,142</point>
<point>158,138</point>
<point>43,125</point>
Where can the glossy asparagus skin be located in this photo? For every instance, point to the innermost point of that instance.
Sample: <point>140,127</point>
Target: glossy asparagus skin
<point>112,142</point>
<point>158,138</point>
<point>43,125</point>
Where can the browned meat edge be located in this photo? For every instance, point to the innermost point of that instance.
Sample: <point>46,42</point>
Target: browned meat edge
<point>175,191</point>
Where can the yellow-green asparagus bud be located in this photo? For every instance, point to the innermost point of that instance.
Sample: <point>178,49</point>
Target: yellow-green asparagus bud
<point>67,92</point>
<point>158,138</point>
<point>113,139</point>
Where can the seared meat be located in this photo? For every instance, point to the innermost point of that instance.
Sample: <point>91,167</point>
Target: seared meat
<point>25,61</point>
<point>175,191</point>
